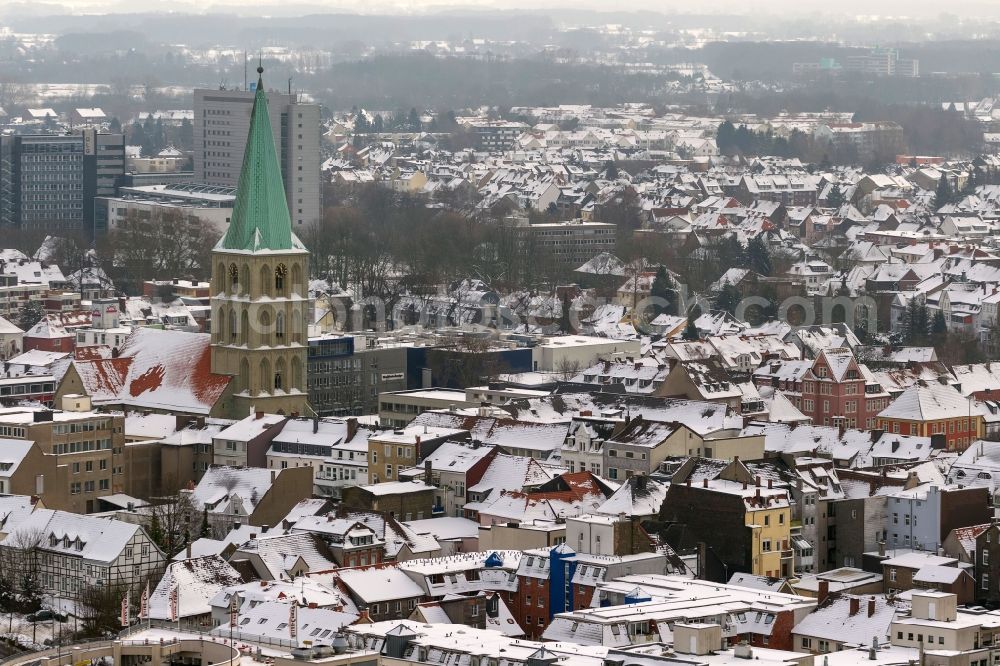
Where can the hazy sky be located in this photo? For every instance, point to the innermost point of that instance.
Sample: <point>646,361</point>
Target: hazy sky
<point>922,8</point>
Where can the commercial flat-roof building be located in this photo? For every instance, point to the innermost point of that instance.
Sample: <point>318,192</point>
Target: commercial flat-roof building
<point>210,204</point>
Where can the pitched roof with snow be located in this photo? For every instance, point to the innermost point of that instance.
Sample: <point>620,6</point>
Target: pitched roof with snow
<point>453,457</point>
<point>928,401</point>
<point>512,473</point>
<point>280,552</point>
<point>267,622</point>
<point>638,496</point>
<point>221,485</point>
<point>197,580</point>
<point>380,584</point>
<point>156,369</point>
<point>65,533</point>
<point>833,620</point>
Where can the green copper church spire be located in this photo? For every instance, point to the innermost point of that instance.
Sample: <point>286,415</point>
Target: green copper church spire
<point>260,219</point>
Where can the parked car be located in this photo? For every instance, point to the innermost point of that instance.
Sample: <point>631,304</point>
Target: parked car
<point>45,615</point>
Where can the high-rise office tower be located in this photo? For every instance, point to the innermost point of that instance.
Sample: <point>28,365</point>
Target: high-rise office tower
<point>221,123</point>
<point>48,181</point>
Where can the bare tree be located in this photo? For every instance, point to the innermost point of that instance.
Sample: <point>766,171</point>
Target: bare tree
<point>23,560</point>
<point>170,521</point>
<point>12,93</point>
<point>567,368</point>
<point>163,246</point>
<point>99,607</point>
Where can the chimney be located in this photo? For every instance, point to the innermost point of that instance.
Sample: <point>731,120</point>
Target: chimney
<point>881,548</point>
<point>770,483</point>
<point>823,592</point>
<point>704,482</point>
<point>188,550</point>
<point>744,485</point>
<point>352,428</point>
<point>855,606</point>
<point>687,482</point>
<point>871,606</point>
<point>315,424</point>
<point>428,475</point>
<point>258,415</point>
<point>756,480</point>
<point>274,475</point>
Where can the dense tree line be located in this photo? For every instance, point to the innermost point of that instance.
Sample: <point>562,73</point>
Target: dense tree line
<point>387,244</point>
<point>154,136</point>
<point>927,128</point>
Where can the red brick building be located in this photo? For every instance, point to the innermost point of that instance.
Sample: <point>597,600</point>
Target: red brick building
<point>49,335</point>
<point>833,389</point>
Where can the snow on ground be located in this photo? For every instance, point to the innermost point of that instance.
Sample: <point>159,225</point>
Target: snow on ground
<point>156,633</point>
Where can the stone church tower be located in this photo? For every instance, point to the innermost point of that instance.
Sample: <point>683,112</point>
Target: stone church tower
<point>260,286</point>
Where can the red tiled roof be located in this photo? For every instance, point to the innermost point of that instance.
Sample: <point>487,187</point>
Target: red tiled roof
<point>156,370</point>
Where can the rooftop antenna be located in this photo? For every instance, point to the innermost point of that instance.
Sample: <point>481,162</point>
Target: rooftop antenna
<point>289,85</point>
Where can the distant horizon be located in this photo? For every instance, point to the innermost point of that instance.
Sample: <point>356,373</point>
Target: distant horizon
<point>847,9</point>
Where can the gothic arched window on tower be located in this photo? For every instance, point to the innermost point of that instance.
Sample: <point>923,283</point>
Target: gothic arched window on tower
<point>277,381</point>
<point>232,324</point>
<point>279,326</point>
<point>280,273</point>
<point>234,276</point>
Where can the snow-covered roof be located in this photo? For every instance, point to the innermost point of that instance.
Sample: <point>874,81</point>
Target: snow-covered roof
<point>149,426</point>
<point>380,584</point>
<point>445,528</point>
<point>156,369</point>
<point>936,573</point>
<point>928,401</point>
<point>453,457</point>
<point>834,621</point>
<point>221,484</point>
<point>250,427</point>
<point>638,496</point>
<point>267,622</point>
<point>91,539</point>
<point>12,454</point>
<point>197,580</point>
<point>512,473</point>
<point>280,552</point>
